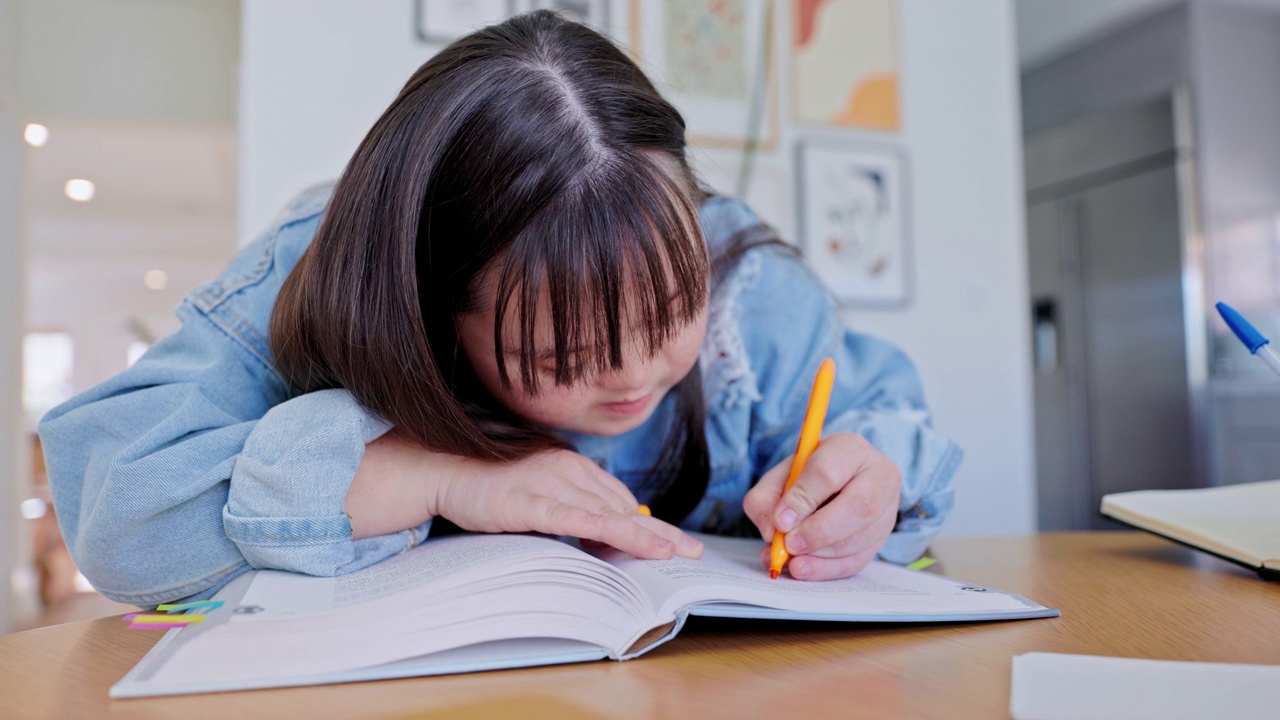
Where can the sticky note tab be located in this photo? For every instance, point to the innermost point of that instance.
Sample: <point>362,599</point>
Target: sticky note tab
<point>140,619</point>
<point>211,604</point>
<point>156,625</point>
<point>144,621</point>
<point>922,563</point>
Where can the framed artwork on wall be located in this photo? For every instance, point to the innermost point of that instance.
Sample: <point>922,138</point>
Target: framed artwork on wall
<point>713,59</point>
<point>853,220</point>
<point>595,13</point>
<point>443,21</point>
<point>844,64</point>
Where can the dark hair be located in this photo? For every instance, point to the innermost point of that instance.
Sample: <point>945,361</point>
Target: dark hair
<point>534,145</point>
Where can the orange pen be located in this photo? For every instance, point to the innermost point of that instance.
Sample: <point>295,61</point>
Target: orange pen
<point>644,510</point>
<point>810,432</point>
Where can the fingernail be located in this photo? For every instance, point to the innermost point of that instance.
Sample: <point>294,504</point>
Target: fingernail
<point>689,548</point>
<point>799,570</point>
<point>662,542</point>
<point>786,520</point>
<point>795,544</point>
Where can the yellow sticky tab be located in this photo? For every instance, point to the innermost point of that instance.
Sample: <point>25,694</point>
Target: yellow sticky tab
<point>922,563</point>
<point>166,619</point>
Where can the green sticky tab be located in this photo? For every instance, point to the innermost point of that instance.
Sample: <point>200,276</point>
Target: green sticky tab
<point>922,563</point>
<point>171,608</point>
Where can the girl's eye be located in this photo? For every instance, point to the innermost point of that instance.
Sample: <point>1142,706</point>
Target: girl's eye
<point>549,369</point>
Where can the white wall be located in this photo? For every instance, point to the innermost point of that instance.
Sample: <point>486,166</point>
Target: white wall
<point>12,457</point>
<point>314,75</point>
<point>129,60</point>
<point>969,330</point>
<point>314,80</point>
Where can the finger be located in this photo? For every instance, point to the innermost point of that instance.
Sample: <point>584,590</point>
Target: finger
<point>836,460</point>
<point>686,546</point>
<point>630,534</point>
<point>807,567</point>
<point>614,529</point>
<point>561,467</point>
<point>761,500</point>
<point>863,503</point>
<point>871,537</point>
<point>571,494</point>
<point>594,478</point>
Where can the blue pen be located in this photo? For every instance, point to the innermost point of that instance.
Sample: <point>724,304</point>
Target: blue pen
<point>1250,336</point>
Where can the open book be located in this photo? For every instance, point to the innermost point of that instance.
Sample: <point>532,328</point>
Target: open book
<point>1240,523</point>
<point>482,602</point>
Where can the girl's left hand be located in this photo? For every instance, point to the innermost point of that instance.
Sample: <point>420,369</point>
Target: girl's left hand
<point>838,514</point>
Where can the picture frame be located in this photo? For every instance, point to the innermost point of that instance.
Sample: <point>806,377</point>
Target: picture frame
<point>852,210</point>
<point>714,60</point>
<point>845,65</point>
<point>440,22</point>
<point>597,14</point>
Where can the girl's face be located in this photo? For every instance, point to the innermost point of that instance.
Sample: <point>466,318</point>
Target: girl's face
<point>609,403</point>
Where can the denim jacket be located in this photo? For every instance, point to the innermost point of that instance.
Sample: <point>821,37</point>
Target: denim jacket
<point>199,463</point>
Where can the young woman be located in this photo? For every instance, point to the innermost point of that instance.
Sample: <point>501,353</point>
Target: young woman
<point>517,311</point>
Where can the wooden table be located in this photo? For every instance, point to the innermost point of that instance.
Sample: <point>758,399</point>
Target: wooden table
<point>1123,594</point>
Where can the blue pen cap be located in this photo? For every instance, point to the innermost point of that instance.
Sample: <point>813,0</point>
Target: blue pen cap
<point>1247,333</point>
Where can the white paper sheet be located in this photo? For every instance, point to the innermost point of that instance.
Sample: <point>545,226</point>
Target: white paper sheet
<point>1052,686</point>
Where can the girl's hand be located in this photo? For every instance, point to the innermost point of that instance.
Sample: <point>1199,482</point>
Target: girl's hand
<point>558,492</point>
<point>838,514</point>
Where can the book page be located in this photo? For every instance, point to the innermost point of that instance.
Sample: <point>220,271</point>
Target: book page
<point>435,566</point>
<point>1237,521</point>
<point>730,572</point>
<point>448,593</point>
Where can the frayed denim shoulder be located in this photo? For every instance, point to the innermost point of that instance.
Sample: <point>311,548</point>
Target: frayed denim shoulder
<point>727,375</point>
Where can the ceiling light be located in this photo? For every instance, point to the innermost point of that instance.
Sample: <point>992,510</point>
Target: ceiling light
<point>36,135</point>
<point>156,279</point>
<point>79,190</point>
<point>34,508</point>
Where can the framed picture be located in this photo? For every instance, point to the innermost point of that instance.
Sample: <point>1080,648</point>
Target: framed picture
<point>844,64</point>
<point>713,59</point>
<point>443,21</point>
<point>852,207</point>
<point>595,13</point>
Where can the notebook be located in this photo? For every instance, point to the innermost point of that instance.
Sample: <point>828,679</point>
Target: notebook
<point>1240,523</point>
<point>484,602</point>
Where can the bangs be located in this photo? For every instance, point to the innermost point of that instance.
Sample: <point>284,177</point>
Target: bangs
<point>616,258</point>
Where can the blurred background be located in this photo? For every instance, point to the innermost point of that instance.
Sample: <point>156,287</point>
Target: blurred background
<point>1039,200</point>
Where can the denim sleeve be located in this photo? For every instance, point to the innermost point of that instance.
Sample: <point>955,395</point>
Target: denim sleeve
<point>289,487</point>
<point>877,394</point>
<point>195,465</point>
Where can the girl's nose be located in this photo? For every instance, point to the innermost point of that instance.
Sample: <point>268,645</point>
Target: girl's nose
<point>633,375</point>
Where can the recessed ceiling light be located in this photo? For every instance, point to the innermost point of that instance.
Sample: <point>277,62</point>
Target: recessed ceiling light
<point>34,508</point>
<point>156,279</point>
<point>36,135</point>
<point>79,190</point>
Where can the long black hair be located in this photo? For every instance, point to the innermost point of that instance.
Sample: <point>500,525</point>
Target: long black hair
<point>534,150</point>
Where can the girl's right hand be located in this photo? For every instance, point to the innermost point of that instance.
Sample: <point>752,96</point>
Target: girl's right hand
<point>558,492</point>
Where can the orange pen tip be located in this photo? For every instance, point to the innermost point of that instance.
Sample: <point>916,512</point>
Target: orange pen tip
<point>644,510</point>
<point>773,574</point>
